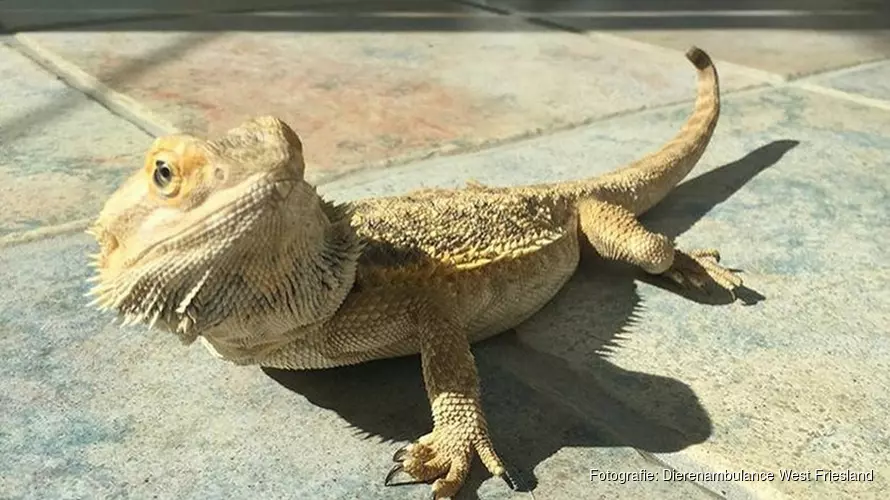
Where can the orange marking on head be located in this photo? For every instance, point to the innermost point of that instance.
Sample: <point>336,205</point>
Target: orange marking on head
<point>184,160</point>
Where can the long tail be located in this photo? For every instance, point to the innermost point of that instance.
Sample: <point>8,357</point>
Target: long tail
<point>645,182</point>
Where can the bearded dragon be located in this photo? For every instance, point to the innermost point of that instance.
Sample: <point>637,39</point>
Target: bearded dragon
<point>225,241</point>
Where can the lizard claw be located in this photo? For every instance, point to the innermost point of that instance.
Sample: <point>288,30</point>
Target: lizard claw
<point>509,480</point>
<point>399,455</point>
<point>698,268</point>
<point>391,474</point>
<point>388,480</point>
<point>443,458</point>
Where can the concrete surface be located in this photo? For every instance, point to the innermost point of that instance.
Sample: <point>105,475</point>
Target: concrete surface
<point>618,373</point>
<point>370,96</point>
<point>789,38</point>
<point>61,154</point>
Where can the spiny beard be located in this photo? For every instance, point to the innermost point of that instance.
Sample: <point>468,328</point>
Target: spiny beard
<point>162,287</point>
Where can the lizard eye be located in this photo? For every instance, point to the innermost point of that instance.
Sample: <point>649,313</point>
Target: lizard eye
<point>163,174</point>
<point>165,179</point>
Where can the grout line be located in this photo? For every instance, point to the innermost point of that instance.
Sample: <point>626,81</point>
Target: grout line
<point>134,112</point>
<point>707,472</point>
<point>777,81</point>
<point>680,461</point>
<point>405,161</point>
<point>542,20</point>
<point>521,138</point>
<point>766,76</point>
<point>17,238</point>
<point>841,70</point>
<point>116,102</point>
<point>842,95</point>
<point>802,82</point>
<point>665,465</point>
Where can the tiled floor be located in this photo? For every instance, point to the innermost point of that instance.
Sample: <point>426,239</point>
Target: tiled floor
<point>616,374</point>
<point>62,153</point>
<point>790,38</point>
<point>363,96</point>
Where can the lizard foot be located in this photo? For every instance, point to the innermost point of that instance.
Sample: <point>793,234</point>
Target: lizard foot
<point>697,268</point>
<point>444,456</point>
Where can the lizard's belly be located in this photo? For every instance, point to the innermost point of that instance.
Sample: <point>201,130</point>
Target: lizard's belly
<point>487,301</point>
<point>518,289</point>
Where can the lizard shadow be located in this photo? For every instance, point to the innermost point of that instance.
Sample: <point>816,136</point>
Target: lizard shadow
<point>689,201</point>
<point>538,402</point>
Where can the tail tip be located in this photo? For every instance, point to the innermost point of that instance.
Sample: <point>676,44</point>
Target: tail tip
<point>699,58</point>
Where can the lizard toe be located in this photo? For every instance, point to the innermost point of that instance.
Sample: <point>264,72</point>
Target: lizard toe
<point>443,457</point>
<point>447,487</point>
<point>395,472</point>
<point>419,461</point>
<point>705,253</point>
<point>700,268</point>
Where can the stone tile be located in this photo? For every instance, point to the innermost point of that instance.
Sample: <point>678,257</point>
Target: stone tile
<point>92,411</point>
<point>798,380</point>
<point>788,53</point>
<point>61,153</point>
<point>790,38</point>
<point>365,89</point>
<point>872,81</point>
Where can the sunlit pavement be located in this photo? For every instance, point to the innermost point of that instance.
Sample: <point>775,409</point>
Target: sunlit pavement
<point>620,373</point>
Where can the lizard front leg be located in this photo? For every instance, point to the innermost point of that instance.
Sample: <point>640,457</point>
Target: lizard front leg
<point>459,427</point>
<point>615,233</point>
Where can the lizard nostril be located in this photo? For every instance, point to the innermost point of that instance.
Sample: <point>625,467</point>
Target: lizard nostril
<point>107,241</point>
<point>112,242</point>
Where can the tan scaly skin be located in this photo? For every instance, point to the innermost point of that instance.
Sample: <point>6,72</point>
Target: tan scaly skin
<point>224,240</point>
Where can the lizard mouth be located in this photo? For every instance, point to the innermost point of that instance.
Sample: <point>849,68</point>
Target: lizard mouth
<point>159,280</point>
<point>108,245</point>
<point>275,187</point>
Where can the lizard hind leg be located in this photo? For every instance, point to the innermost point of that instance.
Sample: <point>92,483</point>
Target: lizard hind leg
<point>616,234</point>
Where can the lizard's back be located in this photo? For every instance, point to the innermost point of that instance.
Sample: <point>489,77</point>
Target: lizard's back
<point>494,256</point>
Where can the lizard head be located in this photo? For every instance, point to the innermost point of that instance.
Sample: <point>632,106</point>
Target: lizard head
<point>210,237</point>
